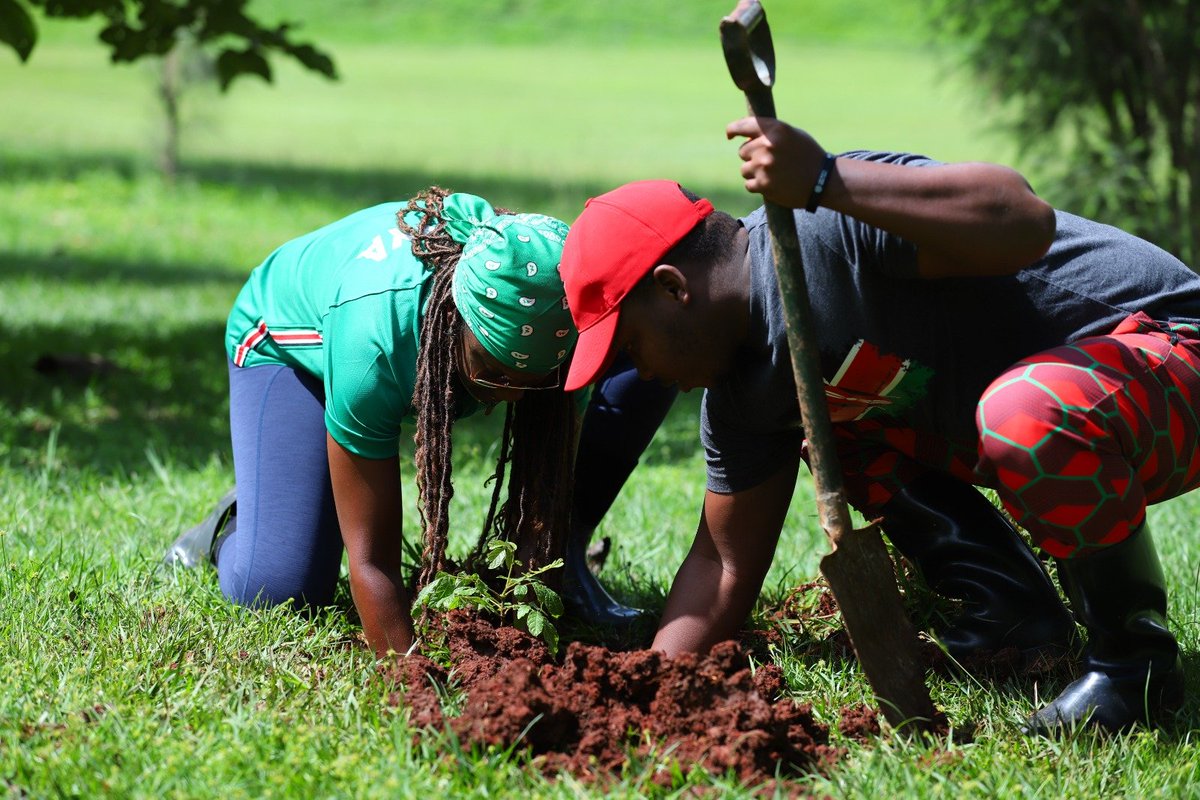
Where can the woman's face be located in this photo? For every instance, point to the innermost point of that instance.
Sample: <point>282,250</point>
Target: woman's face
<point>489,381</point>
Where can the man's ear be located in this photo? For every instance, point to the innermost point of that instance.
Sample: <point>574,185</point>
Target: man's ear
<point>671,281</point>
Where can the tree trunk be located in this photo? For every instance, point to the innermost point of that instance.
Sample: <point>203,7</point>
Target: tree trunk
<point>169,88</point>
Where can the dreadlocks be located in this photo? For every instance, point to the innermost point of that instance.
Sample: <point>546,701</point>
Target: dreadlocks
<point>537,445</point>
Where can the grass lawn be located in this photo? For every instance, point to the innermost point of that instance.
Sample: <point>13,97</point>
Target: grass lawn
<point>117,679</point>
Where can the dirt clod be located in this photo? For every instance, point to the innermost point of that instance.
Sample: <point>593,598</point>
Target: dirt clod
<point>596,709</point>
<point>859,722</point>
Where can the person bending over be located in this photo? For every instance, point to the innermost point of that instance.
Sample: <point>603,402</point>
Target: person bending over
<point>969,335</point>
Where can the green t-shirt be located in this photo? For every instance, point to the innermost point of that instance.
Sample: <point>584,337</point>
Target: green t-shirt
<point>343,303</point>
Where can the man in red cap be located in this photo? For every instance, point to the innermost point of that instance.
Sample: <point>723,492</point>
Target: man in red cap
<point>969,334</point>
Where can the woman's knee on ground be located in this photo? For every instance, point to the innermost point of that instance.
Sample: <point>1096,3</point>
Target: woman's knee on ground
<point>273,582</point>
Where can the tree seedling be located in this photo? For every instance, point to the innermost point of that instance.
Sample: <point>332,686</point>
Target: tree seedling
<point>521,599</point>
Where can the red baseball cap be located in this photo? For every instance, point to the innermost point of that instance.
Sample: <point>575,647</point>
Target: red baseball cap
<point>619,237</point>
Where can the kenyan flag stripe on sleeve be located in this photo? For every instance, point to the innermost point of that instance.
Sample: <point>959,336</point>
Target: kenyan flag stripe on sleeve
<point>868,380</point>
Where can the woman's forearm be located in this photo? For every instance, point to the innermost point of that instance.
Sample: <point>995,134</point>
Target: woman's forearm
<point>383,606</point>
<point>367,494</point>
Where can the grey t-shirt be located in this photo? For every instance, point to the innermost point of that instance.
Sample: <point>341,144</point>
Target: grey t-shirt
<point>921,351</point>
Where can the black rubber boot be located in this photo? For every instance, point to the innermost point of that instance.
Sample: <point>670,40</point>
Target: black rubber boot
<point>967,550</point>
<point>198,545</point>
<point>584,599</point>
<point>1131,666</point>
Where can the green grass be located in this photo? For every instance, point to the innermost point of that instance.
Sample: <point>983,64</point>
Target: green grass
<point>546,124</point>
<point>117,679</point>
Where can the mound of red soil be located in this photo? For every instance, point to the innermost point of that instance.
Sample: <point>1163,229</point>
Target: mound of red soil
<point>594,710</point>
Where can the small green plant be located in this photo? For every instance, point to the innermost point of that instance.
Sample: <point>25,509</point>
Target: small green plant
<point>523,599</point>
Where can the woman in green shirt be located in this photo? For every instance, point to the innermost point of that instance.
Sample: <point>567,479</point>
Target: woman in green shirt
<point>414,313</point>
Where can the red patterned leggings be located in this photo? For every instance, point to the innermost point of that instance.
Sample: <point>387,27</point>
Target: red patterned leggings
<point>1076,440</point>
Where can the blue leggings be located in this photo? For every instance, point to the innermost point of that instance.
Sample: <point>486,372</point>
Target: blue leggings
<point>286,543</point>
<point>621,419</point>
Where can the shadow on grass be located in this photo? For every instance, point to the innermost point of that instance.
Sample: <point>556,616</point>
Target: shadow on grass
<point>1004,679</point>
<point>167,391</point>
<point>167,395</point>
<point>85,271</point>
<point>1183,725</point>
<point>172,401</point>
<point>358,188</point>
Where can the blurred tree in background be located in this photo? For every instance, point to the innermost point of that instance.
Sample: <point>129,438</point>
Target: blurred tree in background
<point>1104,96</point>
<point>134,29</point>
<point>196,40</point>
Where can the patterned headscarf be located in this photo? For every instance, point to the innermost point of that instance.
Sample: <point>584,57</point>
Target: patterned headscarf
<point>506,285</point>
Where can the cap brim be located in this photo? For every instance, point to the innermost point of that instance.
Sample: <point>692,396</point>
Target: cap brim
<point>592,353</point>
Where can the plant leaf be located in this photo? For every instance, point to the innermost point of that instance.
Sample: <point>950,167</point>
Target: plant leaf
<point>435,593</point>
<point>535,622</point>
<point>550,637</point>
<point>468,596</point>
<point>548,599</point>
<point>315,60</point>
<point>232,63</point>
<point>555,564</point>
<point>16,28</point>
<point>500,554</point>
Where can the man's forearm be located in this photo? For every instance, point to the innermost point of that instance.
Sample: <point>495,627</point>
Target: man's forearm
<point>706,605</point>
<point>981,215</point>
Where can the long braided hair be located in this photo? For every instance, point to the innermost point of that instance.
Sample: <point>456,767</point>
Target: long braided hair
<point>536,447</point>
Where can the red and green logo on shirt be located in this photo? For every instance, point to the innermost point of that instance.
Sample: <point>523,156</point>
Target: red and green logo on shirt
<point>870,382</point>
